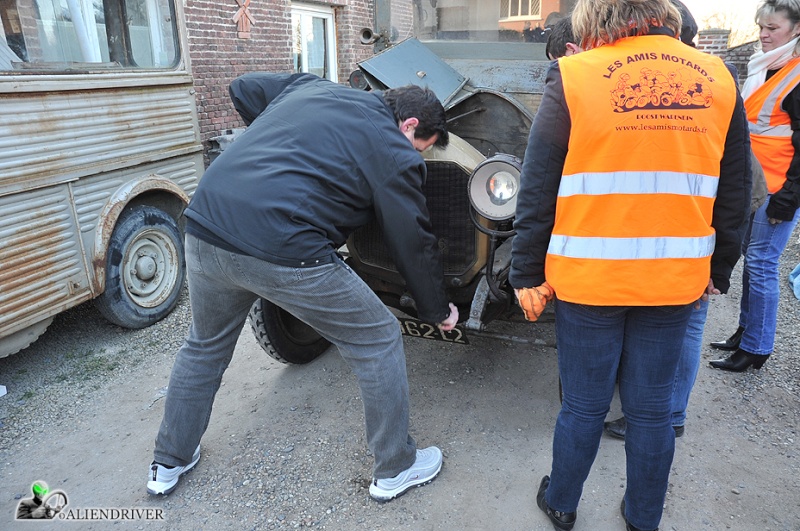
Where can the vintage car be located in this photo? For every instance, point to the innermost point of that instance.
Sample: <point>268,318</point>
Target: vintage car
<point>490,87</point>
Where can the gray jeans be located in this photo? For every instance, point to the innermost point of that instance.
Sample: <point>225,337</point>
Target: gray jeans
<point>332,299</point>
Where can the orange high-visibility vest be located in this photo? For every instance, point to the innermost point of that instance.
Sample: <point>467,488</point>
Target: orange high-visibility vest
<point>771,126</point>
<point>633,215</point>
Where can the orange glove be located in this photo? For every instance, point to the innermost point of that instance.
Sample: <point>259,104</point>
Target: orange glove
<point>533,300</point>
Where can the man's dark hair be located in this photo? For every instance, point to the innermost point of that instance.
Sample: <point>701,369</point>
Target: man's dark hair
<point>413,101</point>
<point>560,35</point>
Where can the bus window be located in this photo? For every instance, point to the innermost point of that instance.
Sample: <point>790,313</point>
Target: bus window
<point>101,152</point>
<point>65,35</point>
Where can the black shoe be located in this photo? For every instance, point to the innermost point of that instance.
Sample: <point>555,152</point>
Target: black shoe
<point>560,521</point>
<point>732,343</point>
<point>628,526</point>
<point>740,361</point>
<point>616,428</point>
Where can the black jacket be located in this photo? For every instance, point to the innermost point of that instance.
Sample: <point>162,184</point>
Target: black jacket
<point>784,203</point>
<point>544,162</point>
<point>317,161</point>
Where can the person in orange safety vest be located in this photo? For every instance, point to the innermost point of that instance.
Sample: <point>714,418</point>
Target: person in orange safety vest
<point>625,218</point>
<point>772,99</point>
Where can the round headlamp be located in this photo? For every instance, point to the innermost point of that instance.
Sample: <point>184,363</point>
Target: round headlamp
<point>494,187</point>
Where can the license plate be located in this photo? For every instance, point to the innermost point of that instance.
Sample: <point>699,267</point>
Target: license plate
<point>416,328</point>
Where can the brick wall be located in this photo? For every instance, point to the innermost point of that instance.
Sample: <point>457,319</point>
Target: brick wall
<point>219,55</point>
<point>739,56</point>
<point>715,42</point>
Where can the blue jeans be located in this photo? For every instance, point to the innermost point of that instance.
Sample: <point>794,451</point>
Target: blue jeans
<point>595,344</point>
<point>332,299</point>
<point>758,313</point>
<point>689,363</point>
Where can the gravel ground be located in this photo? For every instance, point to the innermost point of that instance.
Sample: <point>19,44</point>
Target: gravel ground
<point>84,401</point>
<point>780,373</point>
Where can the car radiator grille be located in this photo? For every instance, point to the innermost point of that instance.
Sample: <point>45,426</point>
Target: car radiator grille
<point>448,204</point>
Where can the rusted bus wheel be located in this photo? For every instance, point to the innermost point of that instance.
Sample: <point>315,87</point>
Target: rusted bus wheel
<point>145,268</point>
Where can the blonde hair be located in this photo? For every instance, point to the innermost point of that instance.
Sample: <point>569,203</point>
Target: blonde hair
<point>599,22</point>
<point>788,8</point>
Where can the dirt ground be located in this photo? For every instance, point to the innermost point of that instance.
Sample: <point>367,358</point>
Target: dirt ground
<point>285,447</point>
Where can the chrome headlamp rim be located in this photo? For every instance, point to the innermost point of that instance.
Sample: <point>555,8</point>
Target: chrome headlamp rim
<point>481,198</point>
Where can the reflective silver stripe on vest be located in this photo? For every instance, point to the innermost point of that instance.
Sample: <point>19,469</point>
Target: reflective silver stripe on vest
<point>638,182</point>
<point>631,248</point>
<point>765,113</point>
<point>770,130</point>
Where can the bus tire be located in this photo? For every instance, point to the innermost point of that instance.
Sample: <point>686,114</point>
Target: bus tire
<point>23,338</point>
<point>283,336</point>
<point>145,268</point>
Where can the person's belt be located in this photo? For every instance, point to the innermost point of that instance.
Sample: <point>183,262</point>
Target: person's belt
<point>200,232</point>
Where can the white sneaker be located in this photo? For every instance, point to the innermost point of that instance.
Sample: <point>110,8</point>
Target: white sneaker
<point>163,480</point>
<point>422,472</point>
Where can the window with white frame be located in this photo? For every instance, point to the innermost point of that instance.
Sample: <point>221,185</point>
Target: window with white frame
<point>314,41</point>
<point>73,35</point>
<point>520,8</point>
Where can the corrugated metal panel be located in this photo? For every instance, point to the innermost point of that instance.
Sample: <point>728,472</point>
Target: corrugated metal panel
<point>184,172</point>
<point>41,261</point>
<point>92,193</point>
<point>72,134</point>
<point>42,265</point>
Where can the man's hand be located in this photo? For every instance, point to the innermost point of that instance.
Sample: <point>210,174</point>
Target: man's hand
<point>533,300</point>
<point>39,513</point>
<point>452,319</point>
<point>710,290</point>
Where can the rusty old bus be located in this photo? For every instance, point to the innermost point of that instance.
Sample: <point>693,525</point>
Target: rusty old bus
<point>99,153</point>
